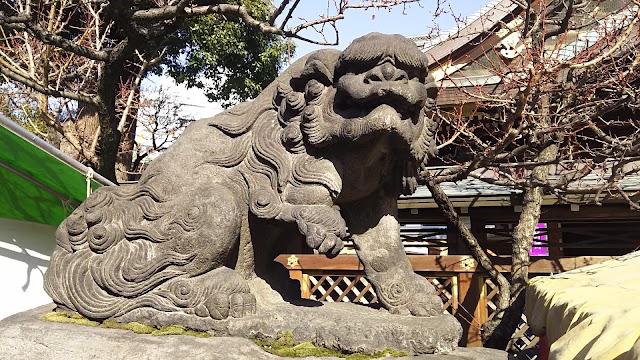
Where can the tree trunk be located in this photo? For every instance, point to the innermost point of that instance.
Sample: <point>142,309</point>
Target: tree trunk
<point>444,203</point>
<point>124,160</point>
<point>108,144</point>
<point>53,136</point>
<point>86,129</point>
<point>498,331</point>
<point>112,75</point>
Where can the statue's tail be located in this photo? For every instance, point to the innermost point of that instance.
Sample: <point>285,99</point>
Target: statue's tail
<point>108,260</point>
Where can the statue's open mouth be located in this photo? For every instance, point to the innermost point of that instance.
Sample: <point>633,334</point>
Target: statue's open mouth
<point>392,104</point>
<point>339,118</point>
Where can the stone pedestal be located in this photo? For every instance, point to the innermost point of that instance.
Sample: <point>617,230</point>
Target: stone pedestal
<point>344,327</point>
<point>26,336</point>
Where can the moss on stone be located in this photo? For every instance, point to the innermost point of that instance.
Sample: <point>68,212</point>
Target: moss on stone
<point>284,340</point>
<point>306,349</point>
<point>68,318</point>
<point>138,328</point>
<point>285,346</point>
<point>178,330</point>
<point>379,354</point>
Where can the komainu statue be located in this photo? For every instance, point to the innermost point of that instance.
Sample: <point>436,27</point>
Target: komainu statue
<point>327,148</point>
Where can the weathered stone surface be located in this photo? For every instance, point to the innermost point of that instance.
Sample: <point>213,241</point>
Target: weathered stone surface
<point>25,337</point>
<point>330,144</point>
<point>341,326</point>
<point>466,354</point>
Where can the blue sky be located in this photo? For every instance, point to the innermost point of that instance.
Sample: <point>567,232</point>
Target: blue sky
<point>416,20</point>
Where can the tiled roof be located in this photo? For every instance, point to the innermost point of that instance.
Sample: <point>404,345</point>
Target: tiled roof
<point>585,39</point>
<point>439,46</point>
<point>472,187</point>
<point>465,188</point>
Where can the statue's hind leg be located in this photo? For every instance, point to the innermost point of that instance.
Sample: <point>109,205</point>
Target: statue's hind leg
<point>204,221</point>
<point>127,248</point>
<point>214,219</point>
<point>219,293</point>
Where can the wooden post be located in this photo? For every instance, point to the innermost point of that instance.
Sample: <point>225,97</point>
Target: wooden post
<point>453,241</point>
<point>305,286</point>
<point>481,313</point>
<point>477,226</point>
<point>472,311</point>
<point>297,274</point>
<point>554,239</point>
<point>455,294</point>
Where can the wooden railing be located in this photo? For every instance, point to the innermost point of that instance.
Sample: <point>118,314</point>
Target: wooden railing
<point>466,291</point>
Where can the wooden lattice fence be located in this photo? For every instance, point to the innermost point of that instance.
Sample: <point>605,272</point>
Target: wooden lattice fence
<point>337,288</point>
<point>466,292</point>
<point>356,289</point>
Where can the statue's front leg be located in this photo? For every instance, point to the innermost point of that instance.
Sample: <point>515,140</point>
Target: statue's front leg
<point>375,231</point>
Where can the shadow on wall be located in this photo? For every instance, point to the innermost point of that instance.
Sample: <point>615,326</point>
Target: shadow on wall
<point>25,249</point>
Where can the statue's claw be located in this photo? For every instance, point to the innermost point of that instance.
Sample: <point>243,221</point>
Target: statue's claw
<point>423,306</point>
<point>331,245</point>
<point>220,306</point>
<point>318,237</point>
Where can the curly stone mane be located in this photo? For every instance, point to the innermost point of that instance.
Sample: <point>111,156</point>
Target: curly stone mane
<point>305,117</point>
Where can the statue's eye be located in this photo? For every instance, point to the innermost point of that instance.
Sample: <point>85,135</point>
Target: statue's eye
<point>372,77</point>
<point>414,73</point>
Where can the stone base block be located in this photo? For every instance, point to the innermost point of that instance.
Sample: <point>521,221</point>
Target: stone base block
<point>26,336</point>
<point>345,327</point>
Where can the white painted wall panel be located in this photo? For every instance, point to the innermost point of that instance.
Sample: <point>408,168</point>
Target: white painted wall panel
<point>25,249</point>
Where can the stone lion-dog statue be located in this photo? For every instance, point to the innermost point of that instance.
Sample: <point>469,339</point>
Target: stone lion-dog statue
<point>327,148</point>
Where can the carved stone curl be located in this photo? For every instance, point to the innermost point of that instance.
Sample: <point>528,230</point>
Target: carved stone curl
<point>330,144</point>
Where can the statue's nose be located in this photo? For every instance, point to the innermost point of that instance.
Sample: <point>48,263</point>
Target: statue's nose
<point>385,72</point>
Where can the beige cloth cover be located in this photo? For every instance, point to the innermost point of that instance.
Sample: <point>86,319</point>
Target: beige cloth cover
<point>589,313</point>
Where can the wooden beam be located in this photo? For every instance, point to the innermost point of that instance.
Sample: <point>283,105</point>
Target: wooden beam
<point>438,263</point>
<point>471,201</point>
<point>560,213</point>
<point>548,201</point>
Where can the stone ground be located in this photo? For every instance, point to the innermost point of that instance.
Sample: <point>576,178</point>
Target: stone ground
<point>26,336</point>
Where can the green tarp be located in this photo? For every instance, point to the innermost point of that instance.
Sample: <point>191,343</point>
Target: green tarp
<point>35,185</point>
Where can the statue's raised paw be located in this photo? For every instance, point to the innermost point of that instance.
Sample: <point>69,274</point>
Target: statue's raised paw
<point>320,238</point>
<point>331,245</point>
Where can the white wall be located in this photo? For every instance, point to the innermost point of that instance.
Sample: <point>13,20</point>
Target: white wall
<point>25,249</point>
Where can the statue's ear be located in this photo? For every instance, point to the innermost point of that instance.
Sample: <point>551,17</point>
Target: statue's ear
<point>320,66</point>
